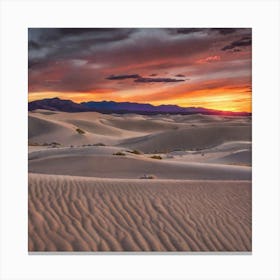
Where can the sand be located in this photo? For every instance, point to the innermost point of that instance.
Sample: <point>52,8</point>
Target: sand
<point>133,167</point>
<point>87,214</point>
<point>87,192</point>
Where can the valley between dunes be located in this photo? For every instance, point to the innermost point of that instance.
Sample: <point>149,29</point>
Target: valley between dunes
<point>131,182</point>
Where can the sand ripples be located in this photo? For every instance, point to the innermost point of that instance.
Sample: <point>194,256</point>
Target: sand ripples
<point>87,214</point>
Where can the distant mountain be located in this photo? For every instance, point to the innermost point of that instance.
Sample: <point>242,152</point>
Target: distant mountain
<point>56,104</point>
<point>108,107</point>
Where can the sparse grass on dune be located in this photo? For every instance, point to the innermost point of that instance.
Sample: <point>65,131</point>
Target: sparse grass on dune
<point>80,131</point>
<point>136,152</point>
<point>156,157</point>
<point>99,145</point>
<point>148,176</point>
<point>119,154</point>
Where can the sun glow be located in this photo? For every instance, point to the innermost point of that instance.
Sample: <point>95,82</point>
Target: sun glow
<point>218,99</point>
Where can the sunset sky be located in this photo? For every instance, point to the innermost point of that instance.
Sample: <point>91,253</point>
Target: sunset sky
<point>198,67</point>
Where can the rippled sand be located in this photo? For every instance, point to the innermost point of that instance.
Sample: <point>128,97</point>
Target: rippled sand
<point>68,213</point>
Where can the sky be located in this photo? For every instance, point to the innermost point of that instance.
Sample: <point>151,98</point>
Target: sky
<point>189,67</point>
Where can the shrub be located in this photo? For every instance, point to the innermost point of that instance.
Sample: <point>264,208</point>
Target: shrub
<point>119,154</point>
<point>80,131</point>
<point>148,176</point>
<point>99,145</point>
<point>134,152</point>
<point>55,144</point>
<point>156,157</point>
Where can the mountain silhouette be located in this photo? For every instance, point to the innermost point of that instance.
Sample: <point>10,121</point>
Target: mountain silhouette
<point>108,107</point>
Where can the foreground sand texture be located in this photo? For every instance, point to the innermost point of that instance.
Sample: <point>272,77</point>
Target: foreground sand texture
<point>101,190</point>
<point>87,214</point>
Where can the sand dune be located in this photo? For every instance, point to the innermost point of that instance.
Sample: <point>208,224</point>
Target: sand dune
<point>96,127</point>
<point>143,125</point>
<point>82,197</point>
<point>61,127</point>
<point>132,167</point>
<point>146,133</point>
<point>231,146</point>
<point>207,119</point>
<point>39,127</point>
<point>242,157</point>
<point>80,214</point>
<point>234,152</point>
<point>73,151</point>
<point>189,138</point>
<point>44,130</point>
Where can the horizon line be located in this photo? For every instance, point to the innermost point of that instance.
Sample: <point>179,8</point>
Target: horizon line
<point>218,110</point>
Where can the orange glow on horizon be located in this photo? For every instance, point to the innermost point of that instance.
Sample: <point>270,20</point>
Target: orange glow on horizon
<point>224,99</point>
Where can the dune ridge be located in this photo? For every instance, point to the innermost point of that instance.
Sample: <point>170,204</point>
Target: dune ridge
<point>188,138</point>
<point>108,166</point>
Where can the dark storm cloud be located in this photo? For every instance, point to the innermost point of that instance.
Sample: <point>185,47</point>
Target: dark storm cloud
<point>189,30</point>
<point>123,77</point>
<point>224,31</point>
<point>83,58</point>
<point>79,31</point>
<point>157,80</point>
<point>139,79</point>
<point>48,44</point>
<point>221,31</point>
<point>59,34</point>
<point>243,42</point>
<point>33,45</point>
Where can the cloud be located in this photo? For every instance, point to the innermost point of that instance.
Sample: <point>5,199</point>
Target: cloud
<point>189,30</point>
<point>47,44</point>
<point>139,79</point>
<point>83,59</point>
<point>123,77</point>
<point>209,59</point>
<point>221,31</point>
<point>243,42</point>
<point>225,31</point>
<point>157,80</point>
<point>180,75</point>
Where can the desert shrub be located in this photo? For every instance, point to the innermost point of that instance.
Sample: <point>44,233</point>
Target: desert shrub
<point>148,176</point>
<point>55,144</point>
<point>156,157</point>
<point>80,131</point>
<point>119,154</point>
<point>134,152</point>
<point>99,145</point>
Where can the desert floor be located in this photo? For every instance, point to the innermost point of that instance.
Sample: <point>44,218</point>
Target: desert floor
<point>130,182</point>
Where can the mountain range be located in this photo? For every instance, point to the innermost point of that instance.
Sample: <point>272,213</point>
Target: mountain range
<point>108,107</point>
